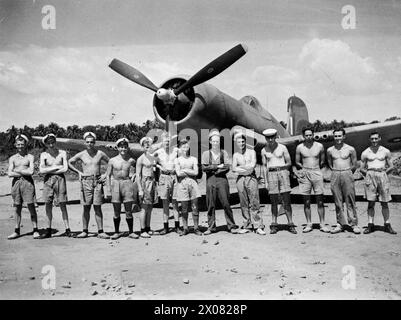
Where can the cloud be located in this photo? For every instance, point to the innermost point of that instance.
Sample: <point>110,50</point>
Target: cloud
<point>335,67</point>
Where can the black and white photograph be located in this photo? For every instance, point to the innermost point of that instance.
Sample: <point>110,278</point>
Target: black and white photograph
<point>214,151</point>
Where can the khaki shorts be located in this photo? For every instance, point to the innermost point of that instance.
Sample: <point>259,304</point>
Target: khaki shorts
<point>310,179</point>
<point>91,191</point>
<point>167,188</point>
<point>279,181</point>
<point>54,188</point>
<point>187,189</point>
<point>122,191</point>
<point>23,191</point>
<point>149,190</point>
<point>377,186</point>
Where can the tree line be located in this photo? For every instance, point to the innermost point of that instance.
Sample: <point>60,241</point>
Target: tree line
<point>132,131</point>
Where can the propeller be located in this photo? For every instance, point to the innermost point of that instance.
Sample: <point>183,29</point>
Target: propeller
<point>169,96</point>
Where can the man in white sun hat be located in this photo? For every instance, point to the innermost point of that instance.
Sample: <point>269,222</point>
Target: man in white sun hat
<point>276,161</point>
<point>91,183</point>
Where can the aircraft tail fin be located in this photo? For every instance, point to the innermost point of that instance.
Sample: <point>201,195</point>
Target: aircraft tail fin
<point>297,116</point>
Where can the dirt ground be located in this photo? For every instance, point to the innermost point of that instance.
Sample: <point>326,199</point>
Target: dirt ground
<point>219,266</point>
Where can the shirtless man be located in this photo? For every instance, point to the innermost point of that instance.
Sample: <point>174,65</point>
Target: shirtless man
<point>342,161</point>
<point>309,158</point>
<point>186,167</point>
<point>375,165</point>
<point>53,164</point>
<point>244,163</point>
<point>145,177</point>
<point>20,168</point>
<point>276,161</point>
<point>122,187</point>
<point>91,183</point>
<point>167,187</point>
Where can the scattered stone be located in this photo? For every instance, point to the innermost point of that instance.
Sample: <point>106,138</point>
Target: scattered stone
<point>32,278</point>
<point>245,257</point>
<point>282,285</point>
<point>262,292</point>
<point>393,253</point>
<point>323,282</point>
<point>131,284</point>
<point>103,285</point>
<point>128,292</point>
<point>234,270</point>
<point>93,283</point>
<point>303,277</point>
<point>186,281</point>
<point>205,252</point>
<point>146,243</point>
<point>53,293</point>
<point>319,262</point>
<point>303,242</point>
<point>126,270</point>
<point>258,277</point>
<point>204,241</point>
<point>66,285</point>
<point>216,243</point>
<point>128,298</point>
<point>94,293</point>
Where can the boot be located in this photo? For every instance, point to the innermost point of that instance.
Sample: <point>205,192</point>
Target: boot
<point>196,225</point>
<point>388,229</point>
<point>369,229</point>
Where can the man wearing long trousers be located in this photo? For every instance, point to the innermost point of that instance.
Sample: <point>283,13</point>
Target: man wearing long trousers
<point>215,163</point>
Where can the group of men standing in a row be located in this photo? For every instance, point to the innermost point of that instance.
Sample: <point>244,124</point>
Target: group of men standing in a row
<point>177,182</point>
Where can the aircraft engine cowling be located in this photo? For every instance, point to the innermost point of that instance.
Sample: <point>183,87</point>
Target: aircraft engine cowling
<point>182,106</point>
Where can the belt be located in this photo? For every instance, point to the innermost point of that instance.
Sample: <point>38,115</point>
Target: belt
<point>90,177</point>
<point>167,173</point>
<point>306,168</point>
<point>377,170</point>
<point>348,169</point>
<point>278,169</point>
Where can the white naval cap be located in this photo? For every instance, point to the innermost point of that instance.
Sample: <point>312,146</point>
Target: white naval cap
<point>21,136</point>
<point>49,135</point>
<point>88,134</point>
<point>142,141</point>
<point>214,132</point>
<point>239,134</point>
<point>269,132</point>
<point>122,140</point>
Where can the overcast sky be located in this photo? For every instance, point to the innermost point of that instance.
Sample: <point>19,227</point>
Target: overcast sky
<point>299,47</point>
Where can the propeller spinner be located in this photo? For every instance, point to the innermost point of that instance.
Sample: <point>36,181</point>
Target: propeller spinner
<point>169,96</point>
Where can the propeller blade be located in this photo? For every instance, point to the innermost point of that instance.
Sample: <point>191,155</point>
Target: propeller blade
<point>214,68</point>
<point>132,74</point>
<point>168,119</point>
